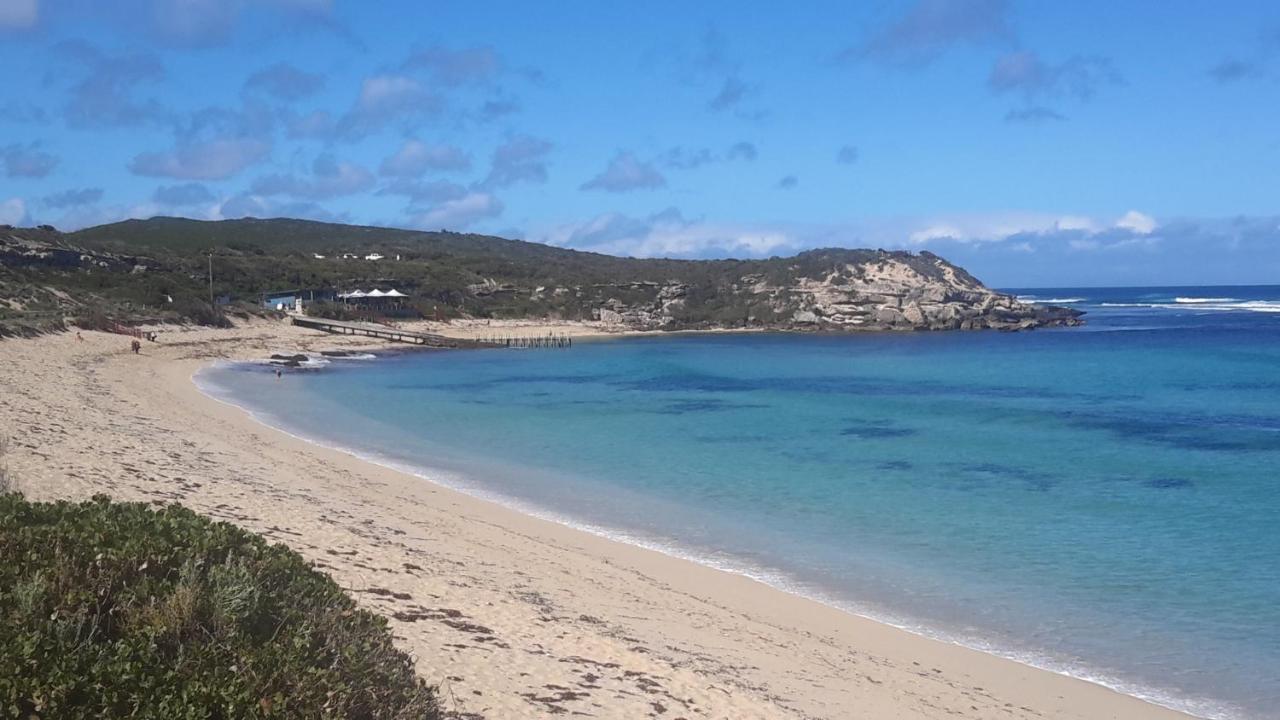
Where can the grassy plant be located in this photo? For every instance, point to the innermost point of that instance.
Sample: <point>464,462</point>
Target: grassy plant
<point>7,482</point>
<point>113,610</point>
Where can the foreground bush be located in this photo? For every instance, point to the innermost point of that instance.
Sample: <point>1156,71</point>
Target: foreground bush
<point>115,610</point>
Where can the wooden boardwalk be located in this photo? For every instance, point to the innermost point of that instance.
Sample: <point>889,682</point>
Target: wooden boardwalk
<point>339,327</point>
<point>385,332</point>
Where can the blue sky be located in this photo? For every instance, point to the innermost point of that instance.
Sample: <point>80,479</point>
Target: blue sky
<point>1036,143</point>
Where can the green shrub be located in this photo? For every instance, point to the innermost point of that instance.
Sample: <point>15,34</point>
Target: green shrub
<point>113,610</point>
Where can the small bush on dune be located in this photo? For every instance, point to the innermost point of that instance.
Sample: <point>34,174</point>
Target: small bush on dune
<point>7,482</point>
<point>112,610</point>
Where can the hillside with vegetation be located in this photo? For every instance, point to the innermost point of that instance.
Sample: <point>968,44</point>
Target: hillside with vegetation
<point>158,270</point>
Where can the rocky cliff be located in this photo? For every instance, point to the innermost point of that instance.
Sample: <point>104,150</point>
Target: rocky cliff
<point>868,291</point>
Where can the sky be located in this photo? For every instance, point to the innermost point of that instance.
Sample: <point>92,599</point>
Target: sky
<point>1037,144</point>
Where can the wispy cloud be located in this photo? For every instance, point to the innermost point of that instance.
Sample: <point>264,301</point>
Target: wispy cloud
<point>329,178</point>
<point>522,158</point>
<point>73,198</point>
<point>285,82</point>
<point>27,161</point>
<point>184,194</point>
<point>250,205</point>
<point>211,23</point>
<point>982,228</point>
<point>686,158</point>
<point>1033,115</point>
<point>425,192</point>
<point>104,93</point>
<point>730,95</point>
<point>414,158</point>
<point>1234,69</point>
<point>710,67</point>
<point>1025,73</point>
<point>211,144</point>
<point>465,66</point>
<point>209,160</point>
<point>459,212</point>
<point>13,211</point>
<point>625,173</point>
<point>17,15</point>
<point>742,150</point>
<point>667,234</point>
<point>929,28</point>
<point>1255,62</point>
<point>388,99</point>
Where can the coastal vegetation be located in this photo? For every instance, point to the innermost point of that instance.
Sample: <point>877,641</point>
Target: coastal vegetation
<point>159,270</point>
<point>119,610</point>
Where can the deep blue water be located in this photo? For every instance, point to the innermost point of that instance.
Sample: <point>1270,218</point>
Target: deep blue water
<point>1100,500</point>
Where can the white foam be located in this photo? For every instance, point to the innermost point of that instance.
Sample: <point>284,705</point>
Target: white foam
<point>308,364</point>
<point>1051,301</point>
<point>1197,300</point>
<point>1207,305</point>
<point>777,579</point>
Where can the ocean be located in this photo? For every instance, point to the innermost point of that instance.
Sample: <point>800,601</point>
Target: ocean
<point>1101,501</point>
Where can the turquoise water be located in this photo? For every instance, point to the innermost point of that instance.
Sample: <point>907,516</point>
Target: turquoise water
<point>1101,501</point>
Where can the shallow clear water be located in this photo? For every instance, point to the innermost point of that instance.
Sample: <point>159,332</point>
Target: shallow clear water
<point>1101,501</point>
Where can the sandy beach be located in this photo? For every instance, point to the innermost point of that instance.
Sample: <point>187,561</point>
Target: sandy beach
<point>513,616</point>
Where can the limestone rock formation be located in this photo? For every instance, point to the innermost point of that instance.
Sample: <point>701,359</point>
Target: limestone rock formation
<point>850,290</point>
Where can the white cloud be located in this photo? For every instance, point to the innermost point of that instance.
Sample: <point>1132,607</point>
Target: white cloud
<point>1137,222</point>
<point>669,234</point>
<point>520,159</point>
<point>386,99</point>
<point>213,160</point>
<point>460,212</point>
<point>384,92</point>
<point>625,173</point>
<point>416,157</point>
<point>979,228</point>
<point>13,212</point>
<point>997,227</point>
<point>937,232</point>
<point>316,124</point>
<point>19,14</point>
<point>329,178</point>
<point>467,66</point>
<point>26,161</point>
<point>90,215</point>
<point>1075,222</point>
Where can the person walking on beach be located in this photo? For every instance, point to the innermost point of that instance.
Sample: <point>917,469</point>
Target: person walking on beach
<point>279,373</point>
<point>136,347</point>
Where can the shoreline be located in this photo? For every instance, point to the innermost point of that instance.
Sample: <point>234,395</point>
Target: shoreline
<point>773,578</point>
<point>779,653</point>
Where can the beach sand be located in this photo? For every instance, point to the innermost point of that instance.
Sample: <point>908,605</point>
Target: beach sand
<point>514,617</point>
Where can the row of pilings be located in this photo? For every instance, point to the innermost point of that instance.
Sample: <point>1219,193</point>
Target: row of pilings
<point>550,340</point>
